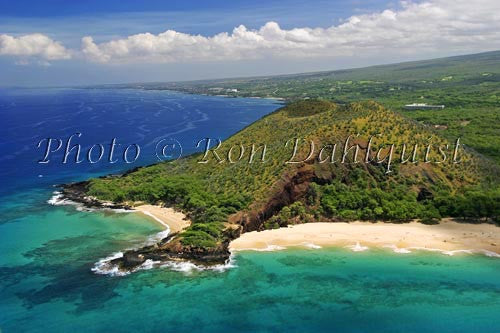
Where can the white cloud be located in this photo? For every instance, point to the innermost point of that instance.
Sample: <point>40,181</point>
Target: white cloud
<point>419,28</point>
<point>452,25</point>
<point>32,46</point>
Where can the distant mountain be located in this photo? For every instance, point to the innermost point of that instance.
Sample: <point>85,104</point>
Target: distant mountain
<point>464,65</point>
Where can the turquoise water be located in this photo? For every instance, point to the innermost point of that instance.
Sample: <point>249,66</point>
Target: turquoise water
<point>47,252</point>
<point>327,290</point>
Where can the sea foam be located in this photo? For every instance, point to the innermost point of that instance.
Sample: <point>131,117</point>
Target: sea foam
<point>58,199</point>
<point>188,267</point>
<point>357,248</point>
<point>396,249</point>
<point>311,245</point>
<point>105,267</point>
<point>453,252</point>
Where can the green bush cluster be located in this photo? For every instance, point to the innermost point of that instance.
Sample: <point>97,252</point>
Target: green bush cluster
<point>398,203</point>
<point>207,210</point>
<point>353,202</point>
<point>297,212</point>
<point>203,234</point>
<point>474,204</point>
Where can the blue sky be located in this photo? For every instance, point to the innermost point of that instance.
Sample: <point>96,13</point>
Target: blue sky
<point>111,18</point>
<point>261,48</point>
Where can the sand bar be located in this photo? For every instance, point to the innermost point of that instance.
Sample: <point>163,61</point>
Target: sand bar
<point>167,216</point>
<point>448,237</point>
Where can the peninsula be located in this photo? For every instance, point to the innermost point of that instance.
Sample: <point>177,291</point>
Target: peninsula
<point>225,200</point>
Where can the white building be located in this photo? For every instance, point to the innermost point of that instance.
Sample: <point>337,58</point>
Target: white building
<point>422,106</point>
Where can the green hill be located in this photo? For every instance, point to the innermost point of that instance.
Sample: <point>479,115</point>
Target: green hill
<point>467,85</point>
<point>231,192</point>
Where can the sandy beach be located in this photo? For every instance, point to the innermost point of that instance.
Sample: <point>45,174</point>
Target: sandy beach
<point>448,237</point>
<point>174,220</point>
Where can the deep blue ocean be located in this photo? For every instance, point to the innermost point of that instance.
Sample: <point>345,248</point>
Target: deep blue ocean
<point>47,252</point>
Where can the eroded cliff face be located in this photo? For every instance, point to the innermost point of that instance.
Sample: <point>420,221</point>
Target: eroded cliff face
<point>291,188</point>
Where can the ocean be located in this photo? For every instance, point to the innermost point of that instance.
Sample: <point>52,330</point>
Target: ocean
<point>48,253</point>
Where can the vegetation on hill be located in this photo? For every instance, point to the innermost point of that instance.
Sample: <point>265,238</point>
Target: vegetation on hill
<point>468,86</point>
<point>234,191</point>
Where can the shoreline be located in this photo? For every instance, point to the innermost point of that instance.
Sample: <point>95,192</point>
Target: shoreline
<point>173,220</point>
<point>448,237</point>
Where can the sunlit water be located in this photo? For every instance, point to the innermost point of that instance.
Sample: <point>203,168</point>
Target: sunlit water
<point>47,252</point>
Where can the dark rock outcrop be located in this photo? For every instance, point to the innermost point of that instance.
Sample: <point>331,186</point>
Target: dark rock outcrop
<point>174,251</point>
